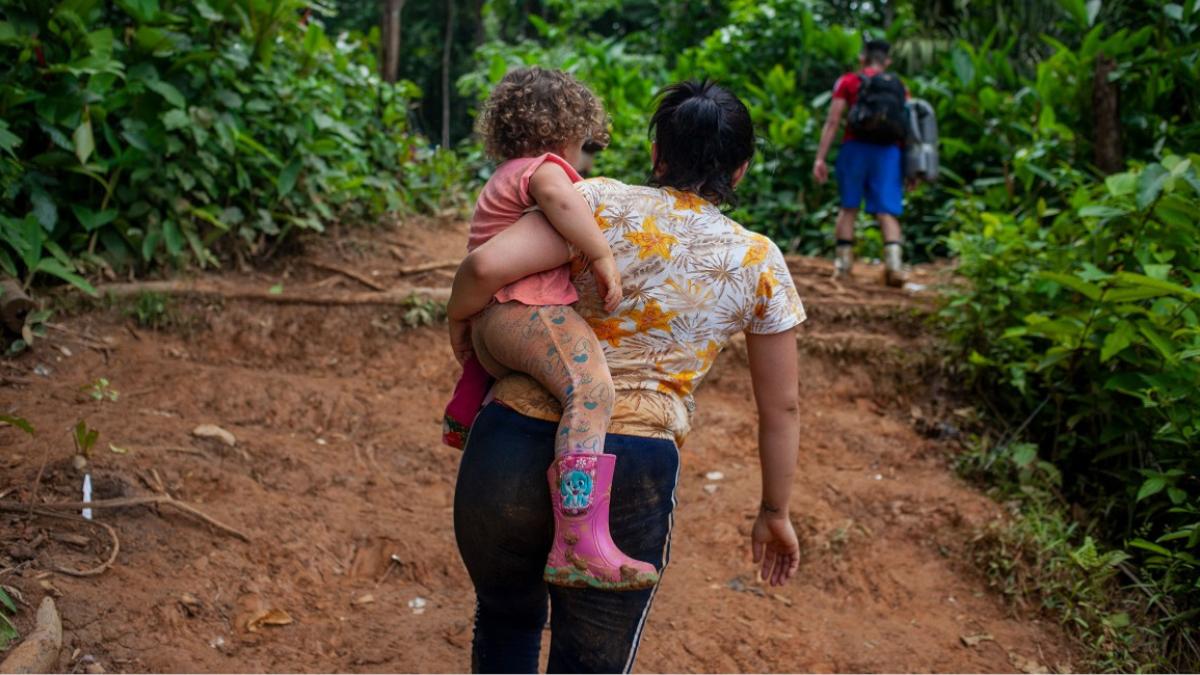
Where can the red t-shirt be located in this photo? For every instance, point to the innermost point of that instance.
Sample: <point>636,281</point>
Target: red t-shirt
<point>846,88</point>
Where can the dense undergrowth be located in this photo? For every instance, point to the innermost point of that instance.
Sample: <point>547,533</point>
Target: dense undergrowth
<point>139,132</point>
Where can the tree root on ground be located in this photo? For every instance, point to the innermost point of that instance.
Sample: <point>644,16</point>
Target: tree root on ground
<point>395,296</point>
<point>18,507</point>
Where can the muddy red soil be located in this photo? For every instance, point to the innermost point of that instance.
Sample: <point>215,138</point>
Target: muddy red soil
<point>340,481</point>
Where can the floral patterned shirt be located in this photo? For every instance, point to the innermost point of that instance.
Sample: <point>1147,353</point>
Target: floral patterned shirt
<point>692,279</point>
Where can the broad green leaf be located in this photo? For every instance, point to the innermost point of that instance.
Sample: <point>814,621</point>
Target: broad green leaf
<point>1088,290</point>
<point>173,237</point>
<point>1116,341</point>
<point>8,140</point>
<point>101,42</point>
<point>288,176</point>
<point>55,268</point>
<point>1092,273</point>
<point>207,12</point>
<point>1135,279</point>
<point>44,210</point>
<point>1160,344</point>
<point>168,92</point>
<point>92,220</point>
<point>1077,9</point>
<point>6,264</point>
<point>1121,184</point>
<point>1177,211</point>
<point>249,142</point>
<point>141,10</point>
<point>176,119</point>
<point>6,601</point>
<point>1023,454</point>
<point>1151,487</point>
<point>1100,211</point>
<point>203,255</point>
<point>1173,11</point>
<point>1150,184</point>
<point>1159,272</point>
<point>1117,295</point>
<point>85,143</point>
<point>1176,495</point>
<point>150,243</point>
<point>964,68</point>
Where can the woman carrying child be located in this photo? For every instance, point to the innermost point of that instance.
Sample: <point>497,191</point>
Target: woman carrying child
<point>693,279</point>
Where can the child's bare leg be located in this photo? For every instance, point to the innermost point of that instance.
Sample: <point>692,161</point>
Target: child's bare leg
<point>555,346</point>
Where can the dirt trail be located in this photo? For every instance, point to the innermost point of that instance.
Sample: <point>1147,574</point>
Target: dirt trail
<point>338,467</point>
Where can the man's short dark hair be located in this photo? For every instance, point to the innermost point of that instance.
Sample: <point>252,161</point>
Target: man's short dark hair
<point>876,51</point>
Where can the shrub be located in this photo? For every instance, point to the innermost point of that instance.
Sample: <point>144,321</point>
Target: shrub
<point>136,132</point>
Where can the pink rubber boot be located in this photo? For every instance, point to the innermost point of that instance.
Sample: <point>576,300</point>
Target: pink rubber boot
<point>583,554</point>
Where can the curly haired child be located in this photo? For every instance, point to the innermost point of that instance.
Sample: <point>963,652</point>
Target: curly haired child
<point>536,123</point>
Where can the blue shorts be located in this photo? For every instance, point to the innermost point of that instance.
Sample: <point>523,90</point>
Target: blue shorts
<point>874,171</point>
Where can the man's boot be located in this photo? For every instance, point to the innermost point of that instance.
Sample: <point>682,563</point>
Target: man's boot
<point>894,273</point>
<point>843,259</point>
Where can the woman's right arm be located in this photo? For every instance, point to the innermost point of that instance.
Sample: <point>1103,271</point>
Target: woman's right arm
<point>774,375</point>
<point>527,247</point>
<point>570,214</point>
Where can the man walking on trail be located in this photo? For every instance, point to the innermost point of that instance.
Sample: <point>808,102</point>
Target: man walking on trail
<point>870,161</point>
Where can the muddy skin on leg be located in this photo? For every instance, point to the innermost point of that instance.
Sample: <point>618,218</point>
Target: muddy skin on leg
<point>556,347</point>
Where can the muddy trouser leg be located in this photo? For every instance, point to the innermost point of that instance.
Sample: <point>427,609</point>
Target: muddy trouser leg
<point>504,526</point>
<point>557,348</point>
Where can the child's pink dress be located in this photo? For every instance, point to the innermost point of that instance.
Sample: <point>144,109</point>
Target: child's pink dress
<point>503,200</point>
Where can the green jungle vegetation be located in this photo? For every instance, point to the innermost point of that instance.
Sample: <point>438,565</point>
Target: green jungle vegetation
<point>143,135</point>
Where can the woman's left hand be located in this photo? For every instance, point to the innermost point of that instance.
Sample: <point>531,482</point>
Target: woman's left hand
<point>775,545</point>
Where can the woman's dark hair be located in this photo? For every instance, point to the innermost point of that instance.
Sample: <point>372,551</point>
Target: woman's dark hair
<point>704,134</point>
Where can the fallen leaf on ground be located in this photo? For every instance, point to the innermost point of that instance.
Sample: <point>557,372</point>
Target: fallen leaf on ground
<point>268,617</point>
<point>1026,665</point>
<point>364,599</point>
<point>50,588</point>
<point>973,640</point>
<point>214,431</point>
<point>118,449</point>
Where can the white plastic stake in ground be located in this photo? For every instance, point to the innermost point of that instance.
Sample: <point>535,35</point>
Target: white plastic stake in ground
<point>87,494</point>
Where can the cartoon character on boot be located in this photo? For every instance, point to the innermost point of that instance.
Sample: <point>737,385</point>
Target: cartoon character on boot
<point>576,489</point>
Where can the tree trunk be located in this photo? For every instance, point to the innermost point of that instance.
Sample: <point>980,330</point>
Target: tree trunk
<point>1106,145</point>
<point>446,53</point>
<point>391,39</point>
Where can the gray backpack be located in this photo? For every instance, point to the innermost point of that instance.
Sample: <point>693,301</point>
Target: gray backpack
<point>921,149</point>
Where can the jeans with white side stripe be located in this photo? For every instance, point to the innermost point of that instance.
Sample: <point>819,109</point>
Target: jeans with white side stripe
<point>504,527</point>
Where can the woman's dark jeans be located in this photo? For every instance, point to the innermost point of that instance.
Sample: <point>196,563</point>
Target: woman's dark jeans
<point>504,527</point>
